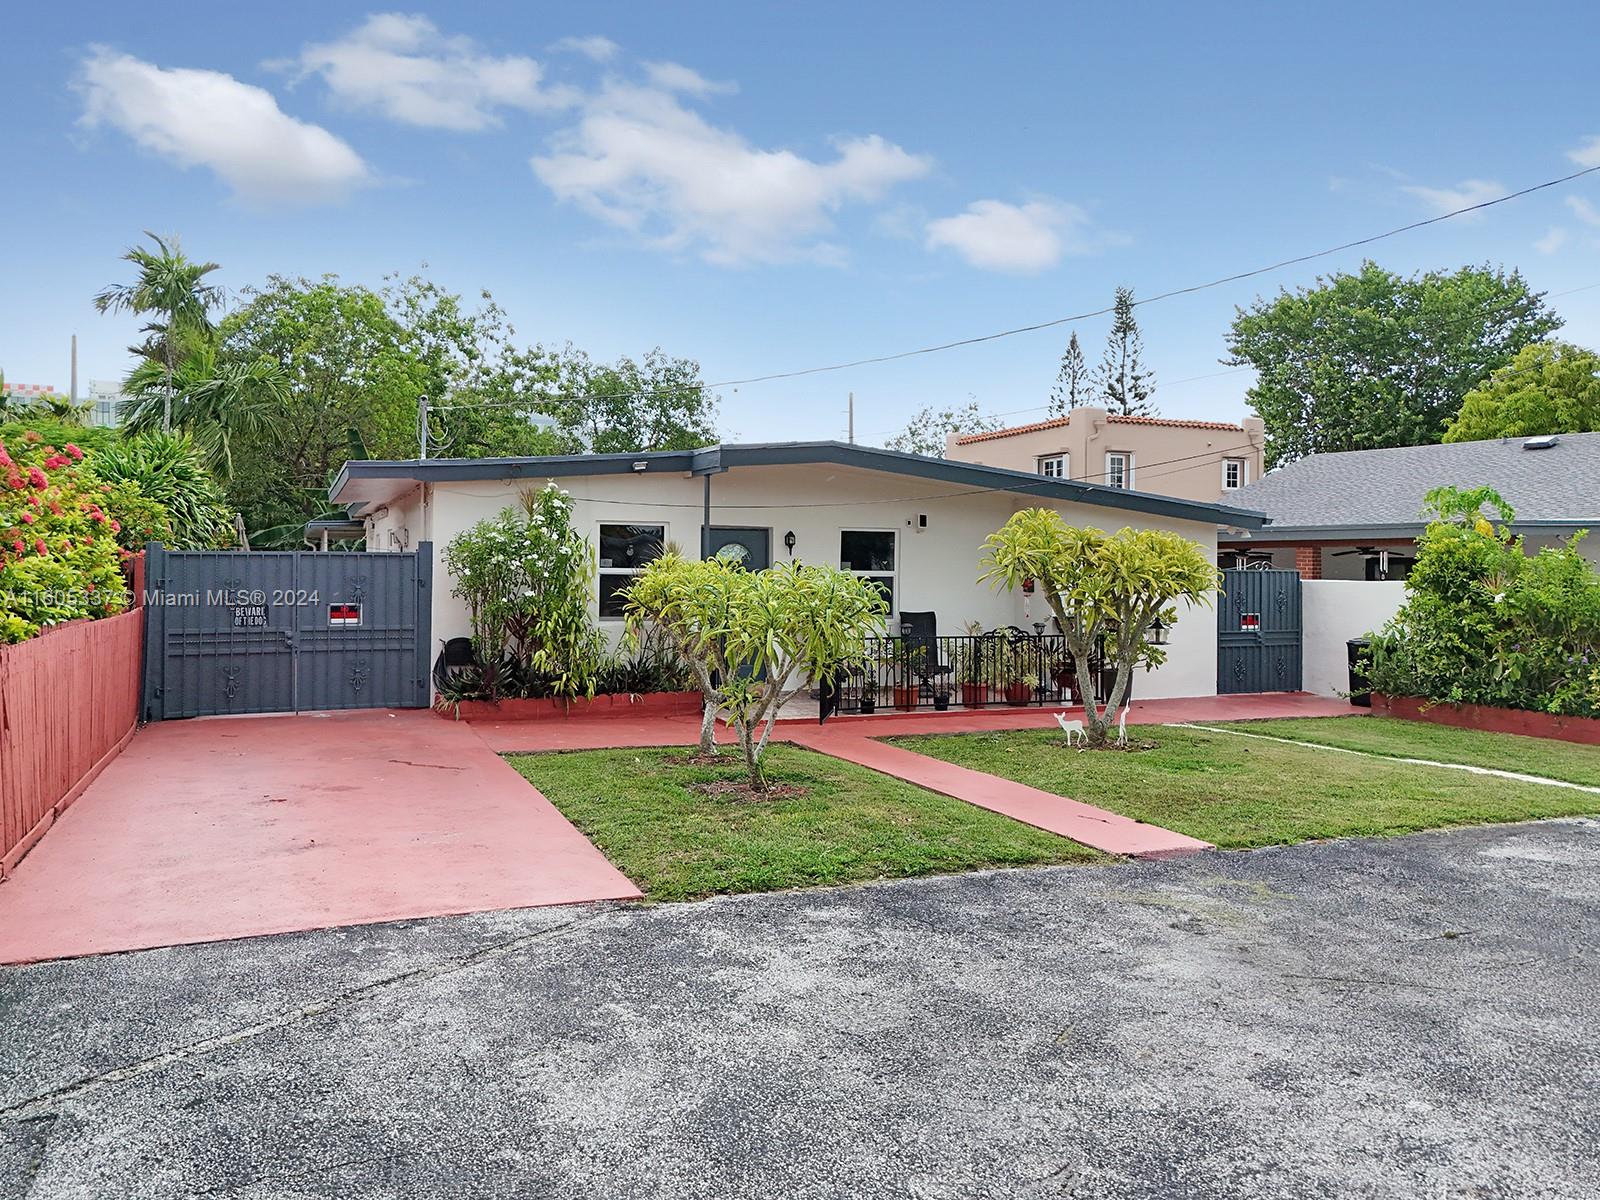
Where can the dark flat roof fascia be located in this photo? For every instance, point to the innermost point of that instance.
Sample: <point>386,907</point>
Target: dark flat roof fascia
<point>1406,532</point>
<point>715,459</point>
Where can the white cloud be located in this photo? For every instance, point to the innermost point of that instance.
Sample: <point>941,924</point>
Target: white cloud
<point>640,160</point>
<point>1449,199</point>
<point>596,47</point>
<point>675,77</point>
<point>1584,210</point>
<point>1019,238</point>
<point>208,119</point>
<point>1587,154</point>
<point>404,68</point>
<point>1554,239</point>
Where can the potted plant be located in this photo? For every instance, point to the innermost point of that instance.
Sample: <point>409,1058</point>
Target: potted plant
<point>1064,674</point>
<point>971,662</point>
<point>1020,689</point>
<point>907,671</point>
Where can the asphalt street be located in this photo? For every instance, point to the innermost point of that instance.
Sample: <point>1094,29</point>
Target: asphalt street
<point>1410,1017</point>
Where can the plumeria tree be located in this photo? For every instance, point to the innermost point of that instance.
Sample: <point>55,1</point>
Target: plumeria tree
<point>755,639</point>
<point>59,559</point>
<point>526,576</point>
<point>690,602</point>
<point>1106,590</point>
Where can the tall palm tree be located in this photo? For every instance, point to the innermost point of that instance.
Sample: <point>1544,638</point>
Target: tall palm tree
<point>170,287</point>
<point>207,396</point>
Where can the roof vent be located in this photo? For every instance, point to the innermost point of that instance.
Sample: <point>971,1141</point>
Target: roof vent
<point>1546,442</point>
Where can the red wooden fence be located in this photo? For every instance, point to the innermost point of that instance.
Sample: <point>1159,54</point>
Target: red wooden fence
<point>69,700</point>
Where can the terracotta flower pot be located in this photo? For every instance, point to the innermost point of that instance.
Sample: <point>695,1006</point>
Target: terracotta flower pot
<point>1018,694</point>
<point>974,695</point>
<point>905,697</point>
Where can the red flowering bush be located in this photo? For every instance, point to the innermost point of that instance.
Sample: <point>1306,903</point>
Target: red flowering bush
<point>59,559</point>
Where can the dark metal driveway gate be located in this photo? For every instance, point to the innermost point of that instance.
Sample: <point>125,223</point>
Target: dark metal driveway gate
<point>289,631</point>
<point>1258,632</point>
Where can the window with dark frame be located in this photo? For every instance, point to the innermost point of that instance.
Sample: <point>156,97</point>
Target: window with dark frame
<point>625,550</point>
<point>870,553</point>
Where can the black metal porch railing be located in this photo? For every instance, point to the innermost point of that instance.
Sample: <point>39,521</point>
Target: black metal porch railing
<point>1002,667</point>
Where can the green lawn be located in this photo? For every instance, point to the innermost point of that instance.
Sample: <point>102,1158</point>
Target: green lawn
<point>1413,739</point>
<point>851,824</point>
<point>1241,792</point>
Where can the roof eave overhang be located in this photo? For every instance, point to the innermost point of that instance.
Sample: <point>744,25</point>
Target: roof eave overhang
<point>354,482</point>
<point>1405,531</point>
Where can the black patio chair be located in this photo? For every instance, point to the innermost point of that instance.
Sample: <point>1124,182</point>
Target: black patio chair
<point>454,659</point>
<point>919,641</point>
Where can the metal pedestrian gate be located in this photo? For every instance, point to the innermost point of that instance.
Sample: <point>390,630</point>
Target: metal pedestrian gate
<point>1258,632</point>
<point>284,631</point>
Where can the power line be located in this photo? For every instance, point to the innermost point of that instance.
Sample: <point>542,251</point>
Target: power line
<point>1054,322</point>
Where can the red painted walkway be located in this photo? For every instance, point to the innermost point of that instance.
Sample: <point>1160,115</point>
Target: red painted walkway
<point>213,829</point>
<point>1097,827</point>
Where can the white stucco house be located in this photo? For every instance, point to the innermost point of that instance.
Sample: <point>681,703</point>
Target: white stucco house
<point>915,524</point>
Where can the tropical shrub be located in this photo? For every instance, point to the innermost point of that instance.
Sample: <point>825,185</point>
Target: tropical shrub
<point>1107,591</point>
<point>59,559</point>
<point>170,470</point>
<point>526,575</point>
<point>757,637</point>
<point>1485,623</point>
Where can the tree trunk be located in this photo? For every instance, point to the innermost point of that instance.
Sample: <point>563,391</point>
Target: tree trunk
<point>752,754</point>
<point>708,727</point>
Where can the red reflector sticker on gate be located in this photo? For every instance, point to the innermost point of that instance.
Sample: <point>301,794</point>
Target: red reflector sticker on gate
<point>1249,622</point>
<point>344,614</point>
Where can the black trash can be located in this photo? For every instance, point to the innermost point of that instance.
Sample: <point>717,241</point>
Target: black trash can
<point>1360,689</point>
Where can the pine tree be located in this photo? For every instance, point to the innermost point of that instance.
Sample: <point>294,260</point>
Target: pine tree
<point>1124,383</point>
<point>1072,381</point>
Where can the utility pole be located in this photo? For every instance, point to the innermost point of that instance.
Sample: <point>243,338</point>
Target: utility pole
<point>852,418</point>
<point>74,369</point>
<point>422,424</point>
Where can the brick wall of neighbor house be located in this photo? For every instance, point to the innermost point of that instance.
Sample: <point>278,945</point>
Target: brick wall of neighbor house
<point>937,564</point>
<point>1170,457</point>
<point>69,699</point>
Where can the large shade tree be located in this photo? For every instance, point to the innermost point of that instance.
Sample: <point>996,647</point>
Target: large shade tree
<point>1550,387</point>
<point>1107,591</point>
<point>1374,359</point>
<point>928,429</point>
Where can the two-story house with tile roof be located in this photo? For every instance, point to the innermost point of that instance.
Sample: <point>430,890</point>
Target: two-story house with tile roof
<point>1191,460</point>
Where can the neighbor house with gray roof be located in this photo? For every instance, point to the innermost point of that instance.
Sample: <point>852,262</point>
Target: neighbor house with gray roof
<point>1357,515</point>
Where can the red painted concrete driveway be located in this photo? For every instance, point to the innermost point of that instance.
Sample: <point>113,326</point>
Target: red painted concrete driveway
<point>223,828</point>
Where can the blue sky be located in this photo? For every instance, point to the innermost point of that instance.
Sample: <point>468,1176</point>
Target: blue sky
<point>770,187</point>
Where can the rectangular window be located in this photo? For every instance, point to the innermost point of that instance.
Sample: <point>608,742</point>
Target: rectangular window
<point>1119,470</point>
<point>1233,474</point>
<point>625,550</point>
<point>870,553</point>
<point>1053,466</point>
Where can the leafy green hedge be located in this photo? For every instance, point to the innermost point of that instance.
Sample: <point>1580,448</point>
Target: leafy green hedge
<point>1486,623</point>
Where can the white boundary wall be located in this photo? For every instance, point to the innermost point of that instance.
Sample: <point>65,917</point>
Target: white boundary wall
<point>1332,611</point>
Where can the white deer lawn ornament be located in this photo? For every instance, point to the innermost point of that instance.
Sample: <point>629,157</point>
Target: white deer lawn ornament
<point>1122,726</point>
<point>1072,728</point>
